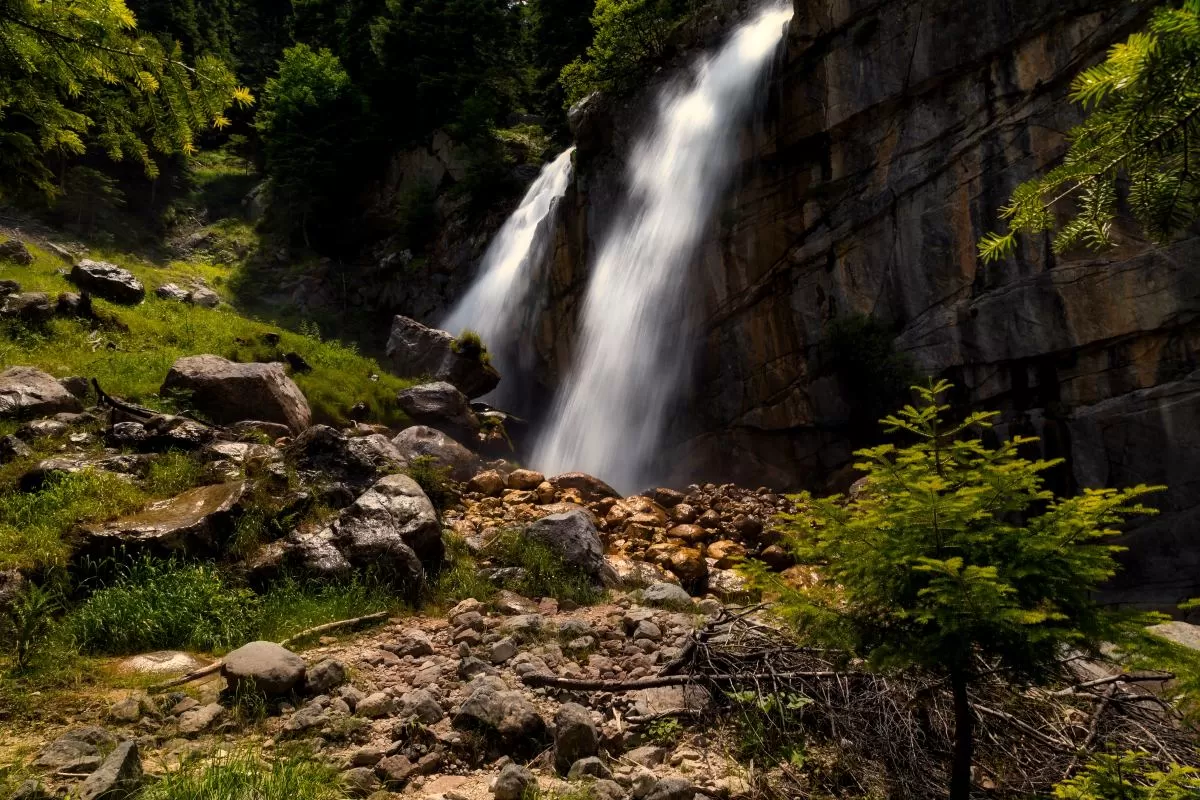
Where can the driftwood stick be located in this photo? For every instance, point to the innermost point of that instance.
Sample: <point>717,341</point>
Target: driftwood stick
<point>332,626</point>
<point>288,642</point>
<point>1122,678</point>
<point>656,681</point>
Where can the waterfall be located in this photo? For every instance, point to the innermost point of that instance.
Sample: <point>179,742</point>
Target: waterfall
<point>495,306</point>
<point>634,348</point>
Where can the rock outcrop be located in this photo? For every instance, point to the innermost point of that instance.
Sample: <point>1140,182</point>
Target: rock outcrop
<point>415,349</point>
<point>28,392</point>
<point>227,391</point>
<point>892,133</point>
<point>108,281</point>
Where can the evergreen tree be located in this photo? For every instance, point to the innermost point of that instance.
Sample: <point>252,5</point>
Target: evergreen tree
<point>1141,139</point>
<point>954,554</point>
<point>559,32</point>
<point>74,73</point>
<point>310,124</point>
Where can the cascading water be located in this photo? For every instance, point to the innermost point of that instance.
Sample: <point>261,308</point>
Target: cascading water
<point>495,305</point>
<point>633,352</point>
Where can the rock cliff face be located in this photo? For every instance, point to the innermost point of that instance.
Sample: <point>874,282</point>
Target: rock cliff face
<point>891,134</point>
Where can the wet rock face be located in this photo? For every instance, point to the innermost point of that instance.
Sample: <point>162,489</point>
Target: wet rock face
<point>195,523</point>
<point>439,404</point>
<point>415,349</point>
<point>891,135</point>
<point>230,392</point>
<point>108,281</point>
<point>421,440</point>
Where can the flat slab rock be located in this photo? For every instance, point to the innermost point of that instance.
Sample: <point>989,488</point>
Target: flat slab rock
<point>193,522</point>
<point>161,662</point>
<point>108,281</point>
<point>29,392</point>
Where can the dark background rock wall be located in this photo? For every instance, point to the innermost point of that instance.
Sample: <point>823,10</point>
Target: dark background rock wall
<point>891,134</point>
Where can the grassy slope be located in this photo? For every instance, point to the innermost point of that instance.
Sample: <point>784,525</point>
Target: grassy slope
<point>131,351</point>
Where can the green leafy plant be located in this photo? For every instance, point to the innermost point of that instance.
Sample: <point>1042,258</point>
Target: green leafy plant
<point>1130,776</point>
<point>953,552</point>
<point>665,730</point>
<point>30,617</point>
<point>1141,131</point>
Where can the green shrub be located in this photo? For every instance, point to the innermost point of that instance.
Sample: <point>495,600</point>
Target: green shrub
<point>1130,776</point>
<point>244,776</point>
<point>158,605</point>
<point>631,36</point>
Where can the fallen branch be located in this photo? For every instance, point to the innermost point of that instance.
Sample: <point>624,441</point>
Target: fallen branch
<point>1024,728</point>
<point>657,681</point>
<point>332,626</point>
<point>1122,678</point>
<point>288,642</point>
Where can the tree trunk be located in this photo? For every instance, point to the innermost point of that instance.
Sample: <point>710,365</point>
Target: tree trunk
<point>964,743</point>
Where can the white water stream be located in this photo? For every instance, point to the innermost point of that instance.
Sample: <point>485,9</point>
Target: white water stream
<point>496,306</point>
<point>633,354</point>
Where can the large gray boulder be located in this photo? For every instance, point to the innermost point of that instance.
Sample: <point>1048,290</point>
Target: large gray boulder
<point>416,350</point>
<point>28,392</point>
<point>119,777</point>
<point>441,405</point>
<point>420,440</point>
<point>504,715</point>
<point>32,307</point>
<point>391,528</point>
<point>575,736</point>
<point>264,668</point>
<point>77,750</point>
<point>356,460</point>
<point>108,281</point>
<point>228,392</point>
<point>574,537</point>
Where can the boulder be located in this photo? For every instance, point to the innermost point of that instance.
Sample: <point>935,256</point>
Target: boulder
<point>196,522</point>
<point>514,783</point>
<point>72,304</point>
<point>507,716</point>
<point>356,460</point>
<point>1183,634</point>
<point>420,440</point>
<point>525,479</point>
<point>590,489</point>
<point>75,748</point>
<point>666,595</point>
<point>119,777</point>
<point>489,483</point>
<point>28,392</point>
<point>392,527</point>
<point>416,350</point>
<point>324,676</point>
<point>230,392</point>
<point>440,405</point>
<point>204,297</point>
<point>410,642</point>
<point>590,767</point>
<point>171,291</point>
<point>575,736</point>
<point>33,307</point>
<point>421,705</point>
<point>263,667</point>
<point>574,537</point>
<point>108,281</point>
<point>14,250</point>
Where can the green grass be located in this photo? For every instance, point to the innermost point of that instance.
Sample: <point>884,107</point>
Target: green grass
<point>159,605</point>
<point>544,572</point>
<point>434,480</point>
<point>173,473</point>
<point>130,351</point>
<point>244,776</point>
<point>33,524</point>
<point>290,605</point>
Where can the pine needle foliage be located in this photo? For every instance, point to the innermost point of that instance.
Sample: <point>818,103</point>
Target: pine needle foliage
<point>954,552</point>
<point>1128,777</point>
<point>1139,146</point>
<point>79,74</point>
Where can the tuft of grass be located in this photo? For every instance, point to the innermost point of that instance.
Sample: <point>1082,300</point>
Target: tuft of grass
<point>542,572</point>
<point>469,343</point>
<point>131,348</point>
<point>158,605</point>
<point>290,605</point>
<point>33,524</point>
<point>244,776</point>
<point>434,480</point>
<point>173,473</point>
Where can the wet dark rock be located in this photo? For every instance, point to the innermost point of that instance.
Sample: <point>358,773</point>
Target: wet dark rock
<point>72,304</point>
<point>441,406</point>
<point>415,349</point>
<point>230,392</point>
<point>196,522</point>
<point>108,281</point>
